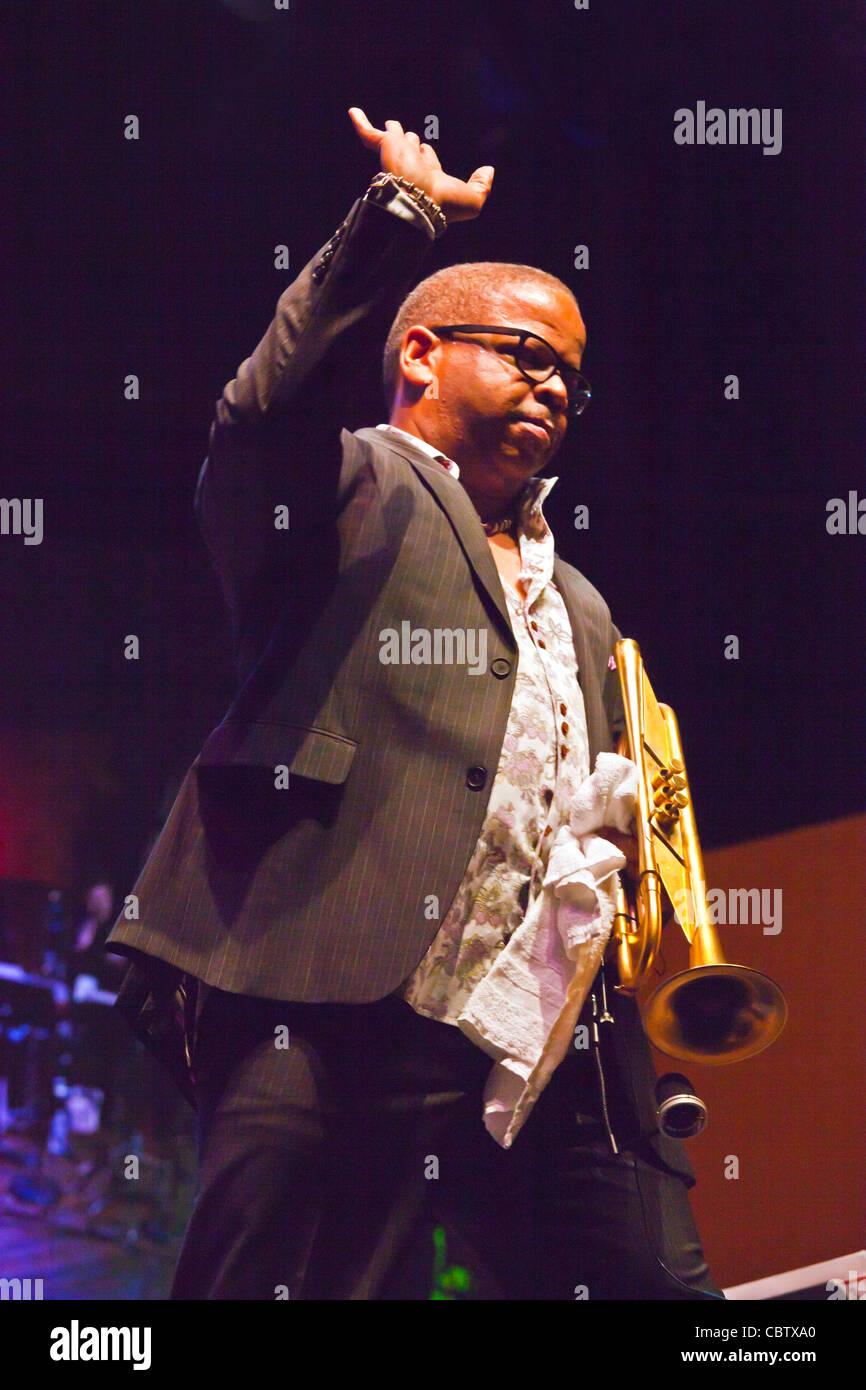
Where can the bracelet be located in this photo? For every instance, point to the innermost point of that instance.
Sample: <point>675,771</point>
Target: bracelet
<point>424,201</point>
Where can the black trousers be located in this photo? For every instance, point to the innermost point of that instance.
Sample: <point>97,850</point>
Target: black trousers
<point>354,1164</point>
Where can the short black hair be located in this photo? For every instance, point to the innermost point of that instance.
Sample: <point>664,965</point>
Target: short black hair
<point>456,294</point>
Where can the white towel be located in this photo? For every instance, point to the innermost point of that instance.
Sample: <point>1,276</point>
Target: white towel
<point>524,1011</point>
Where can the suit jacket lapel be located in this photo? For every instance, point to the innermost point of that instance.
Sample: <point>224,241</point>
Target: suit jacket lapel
<point>454,501</point>
<point>575,615</point>
<point>581,632</point>
<point>456,505</point>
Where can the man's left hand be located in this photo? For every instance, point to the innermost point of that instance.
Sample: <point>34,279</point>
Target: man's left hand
<point>631,871</point>
<point>628,844</point>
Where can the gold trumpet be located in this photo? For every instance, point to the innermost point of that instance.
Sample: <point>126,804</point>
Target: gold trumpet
<point>713,1012</point>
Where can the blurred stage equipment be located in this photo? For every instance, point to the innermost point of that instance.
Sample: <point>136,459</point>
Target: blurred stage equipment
<point>713,1012</point>
<point>30,1010</point>
<point>42,1022</point>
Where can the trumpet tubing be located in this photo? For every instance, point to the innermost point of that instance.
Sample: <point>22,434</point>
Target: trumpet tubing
<point>714,1012</point>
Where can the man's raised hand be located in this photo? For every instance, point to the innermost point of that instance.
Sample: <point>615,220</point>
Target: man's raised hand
<point>401,152</point>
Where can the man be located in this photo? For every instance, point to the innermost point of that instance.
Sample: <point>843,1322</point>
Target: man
<point>364,831</point>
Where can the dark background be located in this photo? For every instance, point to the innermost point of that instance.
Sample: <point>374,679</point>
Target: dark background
<point>155,257</point>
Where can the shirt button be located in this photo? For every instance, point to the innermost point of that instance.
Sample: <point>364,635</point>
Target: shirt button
<point>564,727</point>
<point>563,751</point>
<point>541,644</point>
<point>476,777</point>
<point>534,626</point>
<point>562,708</point>
<point>547,830</point>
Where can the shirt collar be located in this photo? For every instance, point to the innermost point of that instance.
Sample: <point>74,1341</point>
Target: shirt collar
<point>534,495</point>
<point>531,499</point>
<point>425,448</point>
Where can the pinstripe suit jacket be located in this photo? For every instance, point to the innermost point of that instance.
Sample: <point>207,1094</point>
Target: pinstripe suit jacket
<point>328,888</point>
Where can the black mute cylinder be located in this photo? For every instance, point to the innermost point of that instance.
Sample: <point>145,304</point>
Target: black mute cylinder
<point>682,1114</point>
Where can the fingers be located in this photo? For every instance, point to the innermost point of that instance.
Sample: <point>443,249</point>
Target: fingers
<point>373,137</point>
<point>626,844</point>
<point>368,133</point>
<point>482,179</point>
<point>402,152</point>
<point>469,198</point>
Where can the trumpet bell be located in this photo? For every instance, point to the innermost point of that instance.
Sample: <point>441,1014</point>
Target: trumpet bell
<point>715,1014</point>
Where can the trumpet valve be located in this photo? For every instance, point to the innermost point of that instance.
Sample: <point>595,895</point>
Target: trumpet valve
<point>674,772</point>
<point>669,781</point>
<point>668,802</point>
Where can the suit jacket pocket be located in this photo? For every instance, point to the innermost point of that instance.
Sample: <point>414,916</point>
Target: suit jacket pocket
<point>245,804</point>
<point>304,750</point>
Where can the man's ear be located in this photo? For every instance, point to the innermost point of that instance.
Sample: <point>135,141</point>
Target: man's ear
<point>418,360</point>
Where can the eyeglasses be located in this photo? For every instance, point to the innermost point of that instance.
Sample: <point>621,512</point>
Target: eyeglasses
<point>533,357</point>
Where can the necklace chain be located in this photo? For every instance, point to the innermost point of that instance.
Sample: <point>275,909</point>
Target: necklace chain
<point>505,523</point>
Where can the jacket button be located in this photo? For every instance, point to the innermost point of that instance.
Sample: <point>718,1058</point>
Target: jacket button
<point>500,667</point>
<point>476,778</point>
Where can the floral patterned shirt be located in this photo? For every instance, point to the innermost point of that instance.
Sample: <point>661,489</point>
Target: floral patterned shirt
<point>544,760</point>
